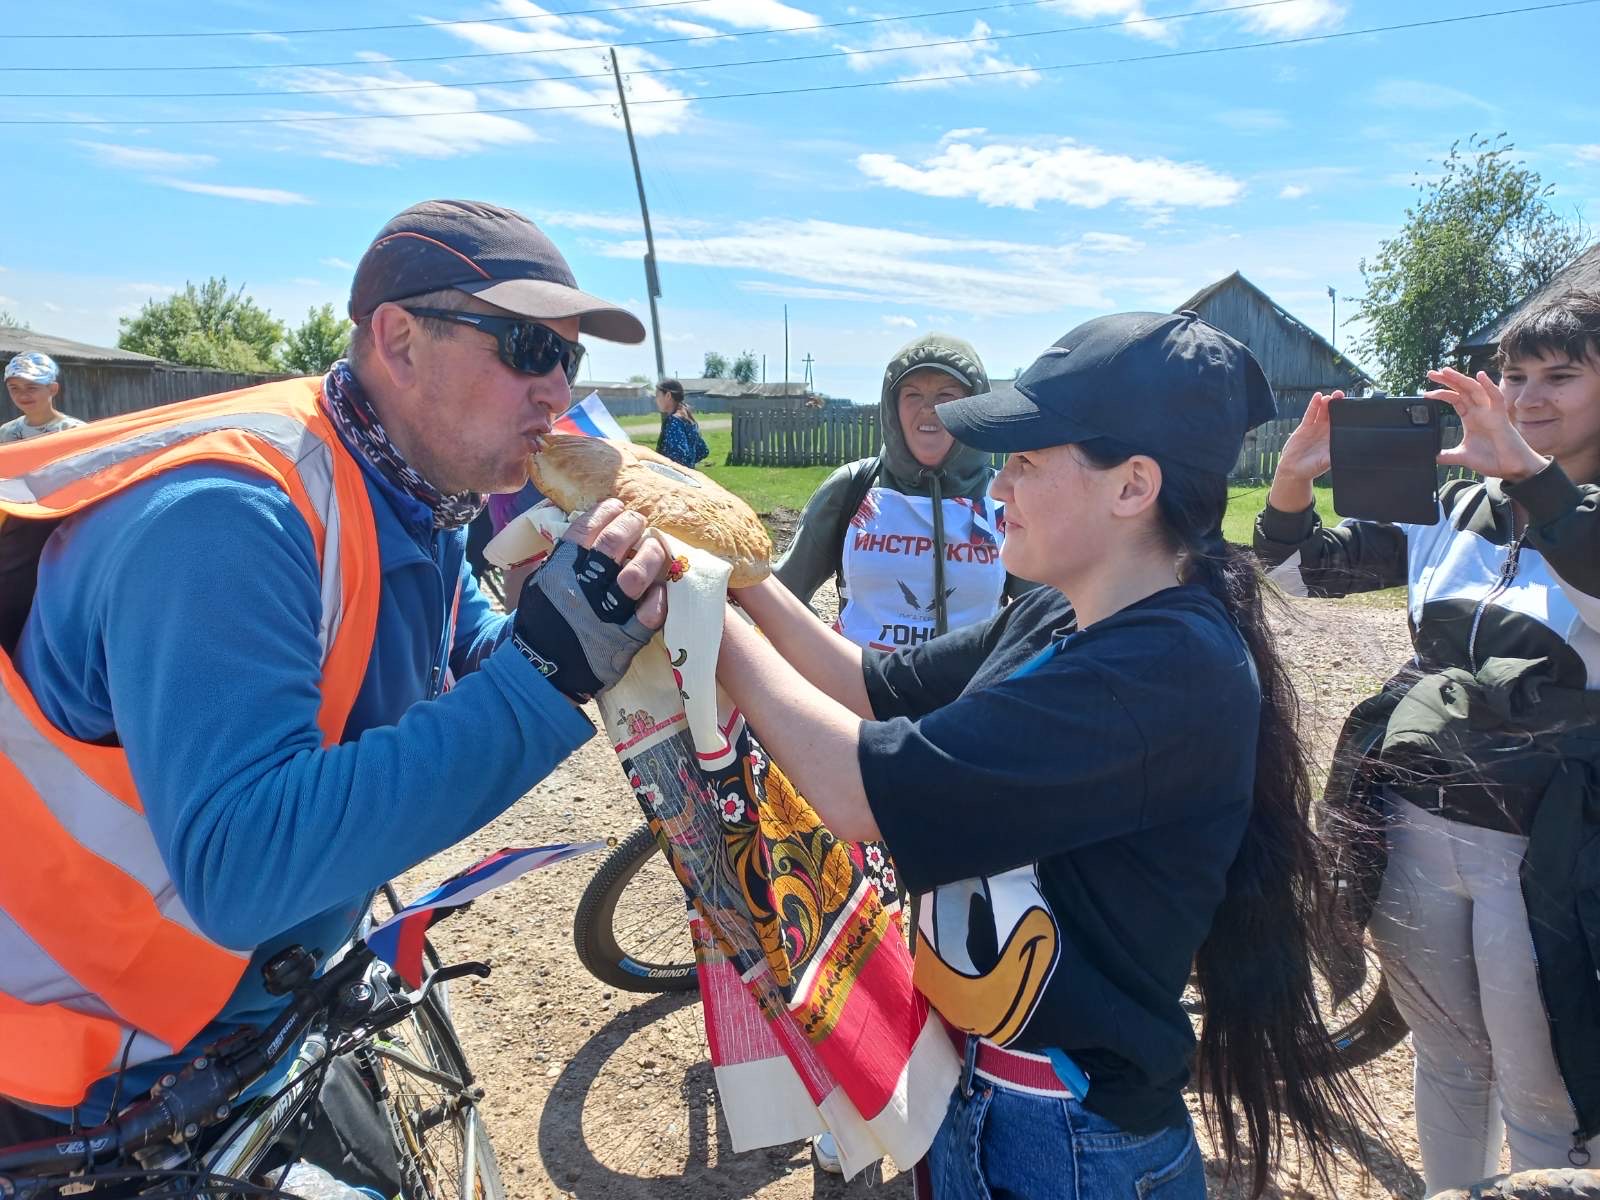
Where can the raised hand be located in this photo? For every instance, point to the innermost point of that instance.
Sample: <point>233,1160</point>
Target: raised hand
<point>1490,443</point>
<point>595,603</point>
<point>1305,456</point>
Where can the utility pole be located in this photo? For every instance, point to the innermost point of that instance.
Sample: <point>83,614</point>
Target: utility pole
<point>652,282</point>
<point>1335,301</point>
<point>808,360</point>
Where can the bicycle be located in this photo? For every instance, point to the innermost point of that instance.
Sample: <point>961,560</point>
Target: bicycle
<point>403,1043</point>
<point>631,931</point>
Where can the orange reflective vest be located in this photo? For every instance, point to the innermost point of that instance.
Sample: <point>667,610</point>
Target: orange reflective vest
<point>98,956</point>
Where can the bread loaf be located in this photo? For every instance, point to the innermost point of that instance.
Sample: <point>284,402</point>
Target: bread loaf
<point>579,472</point>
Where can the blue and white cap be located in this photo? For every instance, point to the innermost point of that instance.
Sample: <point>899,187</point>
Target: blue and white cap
<point>33,367</point>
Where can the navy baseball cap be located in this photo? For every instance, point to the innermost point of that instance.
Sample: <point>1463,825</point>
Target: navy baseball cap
<point>493,253</point>
<point>1165,384</point>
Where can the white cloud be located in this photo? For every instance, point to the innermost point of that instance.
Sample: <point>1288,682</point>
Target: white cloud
<point>1110,243</point>
<point>1007,175</point>
<point>52,307</point>
<point>257,195</point>
<point>337,264</point>
<point>147,158</point>
<point>406,130</point>
<point>686,28</point>
<point>920,62</point>
<point>969,275</point>
<point>1425,96</point>
<point>900,322</point>
<point>754,14</point>
<point>1131,11</point>
<point>601,222</point>
<point>1293,191</point>
<point>1582,154</point>
<point>591,100</point>
<point>1253,120</point>
<point>621,222</point>
<point>1300,16</point>
<point>1289,274</point>
<point>160,289</point>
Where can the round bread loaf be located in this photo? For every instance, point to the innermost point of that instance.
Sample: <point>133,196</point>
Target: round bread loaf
<point>579,472</point>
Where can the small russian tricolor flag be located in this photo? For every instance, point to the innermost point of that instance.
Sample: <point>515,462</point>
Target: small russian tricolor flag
<point>398,941</point>
<point>590,417</point>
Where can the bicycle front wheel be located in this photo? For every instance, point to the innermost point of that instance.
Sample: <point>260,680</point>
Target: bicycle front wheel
<point>631,929</point>
<point>432,1102</point>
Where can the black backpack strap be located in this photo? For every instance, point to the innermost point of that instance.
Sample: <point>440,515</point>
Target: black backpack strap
<point>860,484</point>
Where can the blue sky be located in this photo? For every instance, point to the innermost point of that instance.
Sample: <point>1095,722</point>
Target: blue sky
<point>1005,208</point>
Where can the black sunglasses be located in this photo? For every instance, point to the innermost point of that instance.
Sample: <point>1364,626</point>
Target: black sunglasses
<point>524,345</point>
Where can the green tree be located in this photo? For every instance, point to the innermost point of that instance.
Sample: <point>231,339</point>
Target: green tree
<point>7,321</point>
<point>207,326</point>
<point>641,380</point>
<point>1478,238</point>
<point>716,366</point>
<point>320,342</point>
<point>745,368</point>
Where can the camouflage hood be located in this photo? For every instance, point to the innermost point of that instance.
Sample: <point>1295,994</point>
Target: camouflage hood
<point>964,470</point>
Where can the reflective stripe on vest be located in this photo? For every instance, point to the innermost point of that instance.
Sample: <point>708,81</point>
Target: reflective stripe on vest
<point>99,958</point>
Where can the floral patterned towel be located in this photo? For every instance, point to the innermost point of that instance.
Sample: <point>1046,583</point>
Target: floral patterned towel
<point>811,1016</point>
<point>804,972</point>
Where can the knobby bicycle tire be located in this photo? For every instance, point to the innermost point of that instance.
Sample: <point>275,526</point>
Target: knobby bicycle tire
<point>604,950</point>
<point>1373,1032</point>
<point>430,1097</point>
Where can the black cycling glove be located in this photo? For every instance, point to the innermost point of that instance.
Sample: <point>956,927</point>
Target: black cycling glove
<point>575,624</point>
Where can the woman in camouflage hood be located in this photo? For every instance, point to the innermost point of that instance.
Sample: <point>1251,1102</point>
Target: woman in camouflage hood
<point>911,535</point>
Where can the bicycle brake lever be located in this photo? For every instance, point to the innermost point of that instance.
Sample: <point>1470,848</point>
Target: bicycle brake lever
<point>479,970</point>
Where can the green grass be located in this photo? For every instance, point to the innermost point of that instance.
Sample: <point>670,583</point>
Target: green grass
<point>762,488</point>
<point>1246,503</point>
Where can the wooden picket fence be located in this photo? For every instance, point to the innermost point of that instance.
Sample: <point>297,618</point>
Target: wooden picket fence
<point>804,437</point>
<point>811,437</point>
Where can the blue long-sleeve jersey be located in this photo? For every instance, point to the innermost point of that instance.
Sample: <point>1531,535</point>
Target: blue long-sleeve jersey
<point>180,617</point>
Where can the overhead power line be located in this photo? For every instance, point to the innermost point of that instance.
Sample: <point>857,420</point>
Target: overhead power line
<point>232,33</point>
<point>716,66</point>
<point>668,41</point>
<point>1205,51</point>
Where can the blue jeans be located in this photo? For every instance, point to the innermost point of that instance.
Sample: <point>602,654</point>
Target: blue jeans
<point>999,1144</point>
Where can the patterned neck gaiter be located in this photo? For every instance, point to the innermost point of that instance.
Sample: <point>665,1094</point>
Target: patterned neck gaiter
<point>353,413</point>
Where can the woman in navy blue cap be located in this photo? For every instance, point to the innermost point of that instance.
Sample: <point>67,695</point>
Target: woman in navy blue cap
<point>1094,797</point>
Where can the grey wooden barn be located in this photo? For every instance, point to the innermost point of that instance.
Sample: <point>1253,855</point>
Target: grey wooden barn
<point>1297,359</point>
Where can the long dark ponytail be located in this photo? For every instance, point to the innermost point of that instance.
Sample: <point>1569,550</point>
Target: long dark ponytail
<point>1265,1058</point>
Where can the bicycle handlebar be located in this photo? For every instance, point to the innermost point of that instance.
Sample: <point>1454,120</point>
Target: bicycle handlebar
<point>202,1093</point>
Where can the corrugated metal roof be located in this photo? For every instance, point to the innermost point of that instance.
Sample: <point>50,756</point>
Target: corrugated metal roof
<point>1581,272</point>
<point>63,350</point>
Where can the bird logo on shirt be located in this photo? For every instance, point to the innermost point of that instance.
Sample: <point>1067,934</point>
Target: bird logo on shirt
<point>918,605</point>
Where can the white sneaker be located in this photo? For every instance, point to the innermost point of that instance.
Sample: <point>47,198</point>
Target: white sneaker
<point>825,1154</point>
